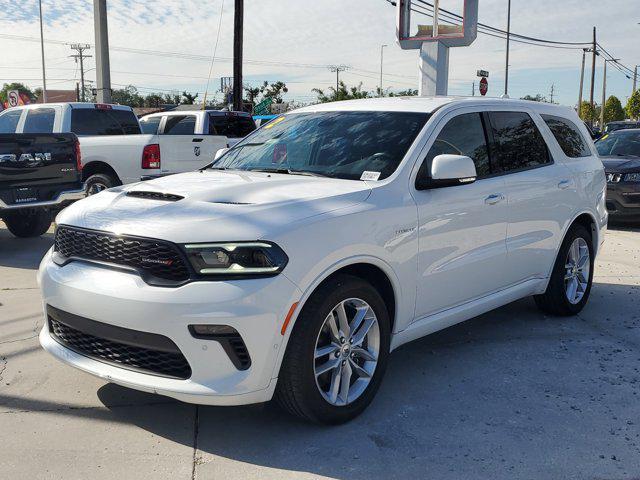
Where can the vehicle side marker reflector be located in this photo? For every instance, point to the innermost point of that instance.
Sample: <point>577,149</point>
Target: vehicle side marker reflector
<point>288,318</point>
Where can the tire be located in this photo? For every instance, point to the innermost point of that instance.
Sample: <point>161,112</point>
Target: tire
<point>555,300</point>
<point>298,391</point>
<point>98,182</point>
<point>30,224</point>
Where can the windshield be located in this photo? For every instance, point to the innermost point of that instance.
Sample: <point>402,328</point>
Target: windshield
<point>335,144</point>
<point>622,143</point>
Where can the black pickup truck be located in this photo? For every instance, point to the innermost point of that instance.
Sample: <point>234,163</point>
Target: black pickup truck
<point>40,174</point>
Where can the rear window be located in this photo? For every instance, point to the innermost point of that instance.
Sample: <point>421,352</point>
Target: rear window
<point>180,125</point>
<point>9,121</point>
<point>568,136</point>
<point>231,126</point>
<point>518,142</point>
<point>94,121</point>
<point>150,124</point>
<point>39,120</point>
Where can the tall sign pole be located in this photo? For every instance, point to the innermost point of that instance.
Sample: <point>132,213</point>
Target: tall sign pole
<point>584,55</point>
<point>506,69</point>
<point>237,54</point>
<point>44,76</point>
<point>103,71</point>
<point>434,40</point>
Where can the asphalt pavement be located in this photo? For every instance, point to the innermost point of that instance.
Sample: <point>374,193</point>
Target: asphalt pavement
<point>512,394</point>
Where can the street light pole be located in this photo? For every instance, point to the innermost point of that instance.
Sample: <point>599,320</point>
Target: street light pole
<point>506,70</point>
<point>44,77</point>
<point>604,90</point>
<point>381,56</point>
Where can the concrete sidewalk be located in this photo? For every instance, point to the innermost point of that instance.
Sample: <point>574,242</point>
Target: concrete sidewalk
<point>511,394</point>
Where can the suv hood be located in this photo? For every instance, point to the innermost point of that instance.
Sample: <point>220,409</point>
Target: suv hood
<point>620,164</point>
<point>216,205</point>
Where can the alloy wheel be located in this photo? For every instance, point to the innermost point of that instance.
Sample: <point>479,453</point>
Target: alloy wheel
<point>577,267</point>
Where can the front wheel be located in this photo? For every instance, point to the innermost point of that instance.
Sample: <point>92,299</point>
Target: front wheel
<point>28,224</point>
<point>572,276</point>
<point>337,353</point>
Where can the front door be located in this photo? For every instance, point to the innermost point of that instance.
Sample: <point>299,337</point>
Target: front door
<point>462,229</point>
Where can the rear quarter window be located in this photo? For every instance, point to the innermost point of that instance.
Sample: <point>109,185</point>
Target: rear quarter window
<point>231,126</point>
<point>94,121</point>
<point>39,120</point>
<point>568,136</point>
<point>9,121</point>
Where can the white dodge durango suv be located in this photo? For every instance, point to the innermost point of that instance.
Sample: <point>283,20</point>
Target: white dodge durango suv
<point>291,266</point>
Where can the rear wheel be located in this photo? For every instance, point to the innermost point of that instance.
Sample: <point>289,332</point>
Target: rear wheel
<point>572,276</point>
<point>99,182</point>
<point>28,224</point>
<point>337,353</point>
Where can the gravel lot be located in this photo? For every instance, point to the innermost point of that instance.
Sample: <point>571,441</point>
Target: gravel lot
<point>510,394</point>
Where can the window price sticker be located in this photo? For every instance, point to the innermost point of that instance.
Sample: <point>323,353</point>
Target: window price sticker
<point>370,175</point>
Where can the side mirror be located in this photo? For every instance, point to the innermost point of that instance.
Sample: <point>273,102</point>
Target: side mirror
<point>448,171</point>
<point>219,153</point>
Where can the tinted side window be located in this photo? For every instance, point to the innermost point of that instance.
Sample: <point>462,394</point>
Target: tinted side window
<point>519,143</point>
<point>94,121</point>
<point>9,121</point>
<point>568,136</point>
<point>39,120</point>
<point>231,126</point>
<point>150,125</point>
<point>180,125</point>
<point>462,135</point>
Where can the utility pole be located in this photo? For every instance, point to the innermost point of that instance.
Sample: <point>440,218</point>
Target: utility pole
<point>552,92</point>
<point>44,77</point>
<point>604,89</point>
<point>80,48</point>
<point>584,55</point>
<point>473,89</point>
<point>337,69</point>
<point>103,71</point>
<point>635,79</point>
<point>238,17</point>
<point>593,72</point>
<point>506,70</point>
<point>381,53</point>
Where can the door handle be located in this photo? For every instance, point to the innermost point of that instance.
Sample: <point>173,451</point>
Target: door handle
<point>197,140</point>
<point>564,184</point>
<point>494,198</point>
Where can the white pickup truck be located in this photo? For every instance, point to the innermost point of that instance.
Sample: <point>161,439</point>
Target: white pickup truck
<point>115,150</point>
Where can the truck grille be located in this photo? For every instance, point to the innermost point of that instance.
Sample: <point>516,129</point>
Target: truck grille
<point>154,259</point>
<point>141,351</point>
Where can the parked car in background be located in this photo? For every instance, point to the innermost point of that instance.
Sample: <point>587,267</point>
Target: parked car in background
<point>114,151</point>
<point>620,154</point>
<point>293,264</point>
<point>40,174</point>
<point>620,125</point>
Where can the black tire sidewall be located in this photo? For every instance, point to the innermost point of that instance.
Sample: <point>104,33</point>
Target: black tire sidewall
<point>557,279</point>
<point>28,224</point>
<point>102,178</point>
<point>308,328</point>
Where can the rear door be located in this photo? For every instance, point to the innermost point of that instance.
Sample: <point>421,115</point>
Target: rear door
<point>233,126</point>
<point>540,190</point>
<point>181,149</point>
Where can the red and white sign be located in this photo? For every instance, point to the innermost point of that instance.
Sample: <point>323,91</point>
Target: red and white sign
<point>484,86</point>
<point>13,98</point>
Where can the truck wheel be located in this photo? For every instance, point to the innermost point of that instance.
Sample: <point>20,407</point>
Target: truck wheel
<point>99,182</point>
<point>572,276</point>
<point>337,353</point>
<point>32,224</point>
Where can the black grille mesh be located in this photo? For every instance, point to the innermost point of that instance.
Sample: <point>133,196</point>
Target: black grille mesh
<point>168,364</point>
<point>158,259</point>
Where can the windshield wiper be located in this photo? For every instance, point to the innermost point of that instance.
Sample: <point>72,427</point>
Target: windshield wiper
<point>288,171</point>
<point>271,170</point>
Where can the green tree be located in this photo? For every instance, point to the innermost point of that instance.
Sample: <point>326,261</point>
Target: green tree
<point>633,105</point>
<point>411,92</point>
<point>342,93</point>
<point>21,87</point>
<point>188,98</point>
<point>274,91</point>
<point>538,98</point>
<point>153,100</point>
<point>127,96</point>
<point>613,110</point>
<point>587,112</point>
<point>252,94</point>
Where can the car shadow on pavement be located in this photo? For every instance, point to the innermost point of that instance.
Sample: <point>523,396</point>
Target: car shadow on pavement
<point>22,252</point>
<point>470,399</point>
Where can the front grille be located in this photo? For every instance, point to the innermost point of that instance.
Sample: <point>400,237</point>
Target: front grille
<point>154,259</point>
<point>157,355</point>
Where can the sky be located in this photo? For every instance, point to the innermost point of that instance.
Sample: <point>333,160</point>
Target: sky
<point>295,40</point>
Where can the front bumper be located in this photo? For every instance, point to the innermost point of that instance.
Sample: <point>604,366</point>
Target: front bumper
<point>60,200</point>
<point>255,308</point>
<point>623,200</point>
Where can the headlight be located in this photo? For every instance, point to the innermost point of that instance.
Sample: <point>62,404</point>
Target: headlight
<point>236,258</point>
<point>632,177</point>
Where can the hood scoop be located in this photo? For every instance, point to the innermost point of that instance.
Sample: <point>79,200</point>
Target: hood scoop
<point>167,197</point>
